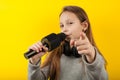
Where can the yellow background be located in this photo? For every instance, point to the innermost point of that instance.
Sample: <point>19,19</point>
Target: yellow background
<point>24,22</point>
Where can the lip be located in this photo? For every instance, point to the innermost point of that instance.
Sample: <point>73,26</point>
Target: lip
<point>68,37</point>
<point>67,34</point>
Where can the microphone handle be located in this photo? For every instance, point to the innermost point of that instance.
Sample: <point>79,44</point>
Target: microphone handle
<point>31,53</point>
<point>51,42</point>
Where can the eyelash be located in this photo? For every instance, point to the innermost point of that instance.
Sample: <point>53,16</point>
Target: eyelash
<point>69,23</point>
<point>61,26</point>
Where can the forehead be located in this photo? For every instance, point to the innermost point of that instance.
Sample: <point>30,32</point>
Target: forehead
<point>68,16</point>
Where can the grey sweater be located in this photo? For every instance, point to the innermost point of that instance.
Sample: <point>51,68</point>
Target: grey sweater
<point>72,68</point>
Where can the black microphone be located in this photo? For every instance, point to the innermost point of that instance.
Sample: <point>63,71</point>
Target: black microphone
<point>51,41</point>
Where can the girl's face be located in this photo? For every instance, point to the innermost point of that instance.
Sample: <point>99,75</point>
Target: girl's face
<point>70,25</point>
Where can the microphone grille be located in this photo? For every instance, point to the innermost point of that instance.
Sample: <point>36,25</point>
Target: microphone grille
<point>62,36</point>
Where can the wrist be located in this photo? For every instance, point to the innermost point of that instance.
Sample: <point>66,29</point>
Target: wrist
<point>34,61</point>
<point>91,56</point>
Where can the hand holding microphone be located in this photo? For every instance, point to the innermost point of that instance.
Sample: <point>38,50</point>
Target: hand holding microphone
<point>38,48</point>
<point>48,43</point>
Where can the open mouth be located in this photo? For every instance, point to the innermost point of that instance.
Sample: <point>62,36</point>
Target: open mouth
<point>68,38</point>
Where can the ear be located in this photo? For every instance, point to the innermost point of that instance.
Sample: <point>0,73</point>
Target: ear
<point>84,26</point>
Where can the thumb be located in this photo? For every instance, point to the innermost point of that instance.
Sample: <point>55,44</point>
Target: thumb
<point>72,42</point>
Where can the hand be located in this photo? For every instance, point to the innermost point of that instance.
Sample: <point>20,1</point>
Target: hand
<point>84,47</point>
<point>38,48</point>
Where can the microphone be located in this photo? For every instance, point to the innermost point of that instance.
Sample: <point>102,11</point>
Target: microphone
<point>51,41</point>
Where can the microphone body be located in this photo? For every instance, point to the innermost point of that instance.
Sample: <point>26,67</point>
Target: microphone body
<point>51,41</point>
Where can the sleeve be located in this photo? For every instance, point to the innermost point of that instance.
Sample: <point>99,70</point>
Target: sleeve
<point>95,70</point>
<point>36,73</point>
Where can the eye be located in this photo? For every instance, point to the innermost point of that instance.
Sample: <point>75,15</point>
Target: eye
<point>70,22</point>
<point>61,25</point>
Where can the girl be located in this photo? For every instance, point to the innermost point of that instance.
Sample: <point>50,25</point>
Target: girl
<point>77,58</point>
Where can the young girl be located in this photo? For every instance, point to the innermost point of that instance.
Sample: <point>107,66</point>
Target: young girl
<point>77,58</point>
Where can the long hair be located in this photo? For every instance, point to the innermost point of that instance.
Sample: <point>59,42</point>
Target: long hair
<point>53,58</point>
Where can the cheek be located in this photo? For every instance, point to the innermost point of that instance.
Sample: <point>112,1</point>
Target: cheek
<point>76,33</point>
